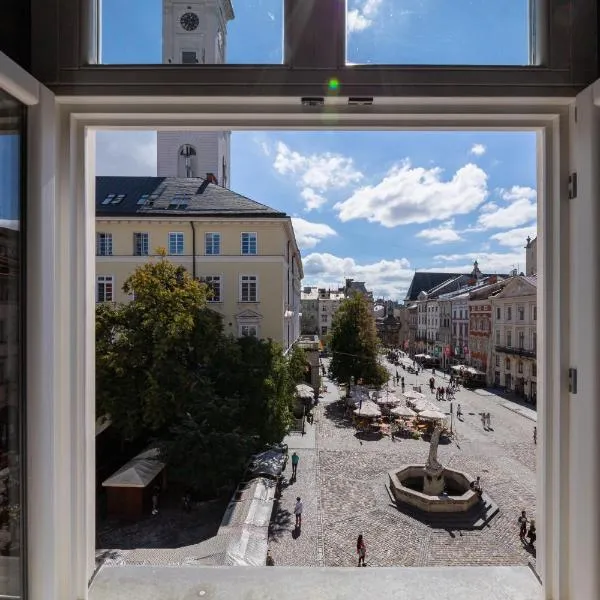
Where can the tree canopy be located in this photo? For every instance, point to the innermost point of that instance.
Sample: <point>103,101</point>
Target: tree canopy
<point>167,373</point>
<point>354,344</point>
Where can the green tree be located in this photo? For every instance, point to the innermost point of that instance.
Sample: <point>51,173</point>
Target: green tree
<point>167,373</point>
<point>354,344</point>
<point>148,355</point>
<point>298,364</point>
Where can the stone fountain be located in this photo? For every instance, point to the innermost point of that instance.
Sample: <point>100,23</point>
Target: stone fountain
<point>433,487</point>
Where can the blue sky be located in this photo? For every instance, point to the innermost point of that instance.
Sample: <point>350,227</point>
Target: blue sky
<point>372,205</point>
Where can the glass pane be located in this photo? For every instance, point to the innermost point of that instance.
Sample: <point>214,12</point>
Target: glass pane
<point>438,32</point>
<point>11,398</point>
<point>198,32</point>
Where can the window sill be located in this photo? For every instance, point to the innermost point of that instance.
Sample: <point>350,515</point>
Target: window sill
<point>231,583</point>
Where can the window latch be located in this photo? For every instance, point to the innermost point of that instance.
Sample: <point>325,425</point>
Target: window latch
<point>572,381</point>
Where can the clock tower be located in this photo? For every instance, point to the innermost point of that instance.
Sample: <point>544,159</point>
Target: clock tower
<point>195,32</point>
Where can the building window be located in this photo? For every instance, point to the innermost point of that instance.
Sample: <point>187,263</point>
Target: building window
<point>104,288</point>
<point>507,364</point>
<point>509,339</point>
<point>521,313</point>
<point>249,244</point>
<point>248,330</point>
<point>189,57</point>
<point>143,199</point>
<point>498,313</point>
<point>497,361</point>
<point>323,318</point>
<point>534,341</point>
<point>109,198</point>
<point>520,366</point>
<point>176,243</point>
<point>534,369</point>
<point>212,244</point>
<point>104,244</point>
<point>140,244</point>
<point>535,313</point>
<point>521,340</point>
<point>214,286</point>
<point>509,313</point>
<point>323,330</point>
<point>248,288</point>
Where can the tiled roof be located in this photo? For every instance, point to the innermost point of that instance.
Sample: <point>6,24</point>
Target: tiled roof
<point>424,281</point>
<point>171,196</point>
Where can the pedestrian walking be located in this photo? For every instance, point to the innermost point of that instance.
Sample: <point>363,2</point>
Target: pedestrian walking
<point>295,461</point>
<point>458,411</point>
<point>531,534</point>
<point>522,520</point>
<point>155,495</point>
<point>535,435</point>
<point>489,420</point>
<point>483,420</point>
<point>298,512</point>
<point>361,550</point>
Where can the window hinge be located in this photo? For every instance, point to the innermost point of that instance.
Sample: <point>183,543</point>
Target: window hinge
<point>572,381</point>
<point>572,186</point>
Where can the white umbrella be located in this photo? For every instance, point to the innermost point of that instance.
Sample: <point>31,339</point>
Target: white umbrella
<point>368,409</point>
<point>304,391</point>
<point>432,415</point>
<point>402,411</point>
<point>412,394</point>
<point>388,399</point>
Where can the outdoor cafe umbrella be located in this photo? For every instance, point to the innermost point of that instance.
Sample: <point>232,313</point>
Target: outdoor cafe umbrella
<point>389,399</point>
<point>402,411</point>
<point>368,409</point>
<point>411,394</point>
<point>304,391</point>
<point>432,415</point>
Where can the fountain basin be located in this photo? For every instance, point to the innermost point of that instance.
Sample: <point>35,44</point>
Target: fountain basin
<point>406,484</point>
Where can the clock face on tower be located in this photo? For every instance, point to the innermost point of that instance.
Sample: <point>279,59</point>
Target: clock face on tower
<point>189,21</point>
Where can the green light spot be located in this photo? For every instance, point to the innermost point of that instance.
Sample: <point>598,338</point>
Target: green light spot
<point>334,84</point>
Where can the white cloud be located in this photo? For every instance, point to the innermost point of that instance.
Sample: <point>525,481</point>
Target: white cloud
<point>410,194</point>
<point>522,209</point>
<point>316,173</point>
<point>308,234</point>
<point>387,278</point>
<point>515,238</point>
<point>126,153</point>
<point>313,200</point>
<point>443,234</point>
<point>478,149</point>
<point>489,262</point>
<point>362,17</point>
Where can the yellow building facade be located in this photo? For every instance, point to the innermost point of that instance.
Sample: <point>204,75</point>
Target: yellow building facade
<point>245,251</point>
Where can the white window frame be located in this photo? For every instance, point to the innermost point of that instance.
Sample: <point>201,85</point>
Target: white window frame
<point>103,280</point>
<point>176,233</point>
<point>241,290</point>
<point>140,233</point>
<point>249,233</point>
<point>247,326</point>
<point>61,258</point>
<point>107,237</point>
<point>206,237</point>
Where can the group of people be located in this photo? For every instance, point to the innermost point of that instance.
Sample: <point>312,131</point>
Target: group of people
<point>527,536</point>
<point>399,380</point>
<point>443,393</point>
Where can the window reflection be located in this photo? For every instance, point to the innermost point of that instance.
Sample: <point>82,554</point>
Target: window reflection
<point>11,390</point>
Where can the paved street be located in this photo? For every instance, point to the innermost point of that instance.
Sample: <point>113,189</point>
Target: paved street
<point>341,481</point>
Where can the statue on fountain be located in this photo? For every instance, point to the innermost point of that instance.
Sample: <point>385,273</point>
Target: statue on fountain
<point>433,482</point>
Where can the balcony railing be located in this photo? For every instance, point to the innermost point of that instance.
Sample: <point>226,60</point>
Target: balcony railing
<point>526,352</point>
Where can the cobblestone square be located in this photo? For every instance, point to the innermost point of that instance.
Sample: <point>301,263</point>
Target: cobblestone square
<point>342,483</point>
